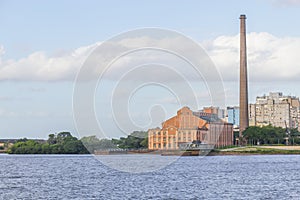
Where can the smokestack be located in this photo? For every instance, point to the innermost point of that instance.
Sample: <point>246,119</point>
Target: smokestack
<point>244,118</point>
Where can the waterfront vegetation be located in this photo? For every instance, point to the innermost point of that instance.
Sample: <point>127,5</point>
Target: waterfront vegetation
<point>264,140</point>
<point>65,143</point>
<point>61,143</point>
<point>257,150</point>
<point>93,143</point>
<point>267,135</point>
<point>136,140</point>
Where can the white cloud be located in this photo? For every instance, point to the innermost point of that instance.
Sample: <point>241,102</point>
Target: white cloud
<point>40,67</point>
<point>269,58</point>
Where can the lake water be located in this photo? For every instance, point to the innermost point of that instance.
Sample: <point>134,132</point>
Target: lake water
<point>212,177</point>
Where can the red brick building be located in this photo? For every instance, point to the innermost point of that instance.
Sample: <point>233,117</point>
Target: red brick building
<point>188,126</point>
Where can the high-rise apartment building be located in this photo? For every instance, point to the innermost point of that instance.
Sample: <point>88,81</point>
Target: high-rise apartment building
<point>275,109</point>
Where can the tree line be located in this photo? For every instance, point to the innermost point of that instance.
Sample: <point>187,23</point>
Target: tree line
<point>61,143</point>
<point>65,143</point>
<point>135,140</point>
<point>255,135</point>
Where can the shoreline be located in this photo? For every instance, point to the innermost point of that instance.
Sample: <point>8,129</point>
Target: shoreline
<point>235,151</point>
<point>258,150</point>
<point>247,154</point>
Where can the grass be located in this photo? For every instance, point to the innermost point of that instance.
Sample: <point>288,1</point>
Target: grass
<point>227,147</point>
<point>255,150</point>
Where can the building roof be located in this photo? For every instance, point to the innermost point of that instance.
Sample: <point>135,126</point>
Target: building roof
<point>209,117</point>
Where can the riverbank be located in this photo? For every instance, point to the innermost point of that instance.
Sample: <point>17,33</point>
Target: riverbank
<point>257,150</point>
<point>248,150</point>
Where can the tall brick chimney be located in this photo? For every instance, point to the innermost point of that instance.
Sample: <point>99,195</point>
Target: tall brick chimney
<point>244,118</point>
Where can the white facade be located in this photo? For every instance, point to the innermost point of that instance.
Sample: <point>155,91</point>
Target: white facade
<point>276,110</point>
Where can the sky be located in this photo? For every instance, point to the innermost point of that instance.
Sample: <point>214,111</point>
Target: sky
<point>44,45</point>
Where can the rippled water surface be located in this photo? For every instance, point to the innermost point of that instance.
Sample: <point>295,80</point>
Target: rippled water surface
<point>212,177</point>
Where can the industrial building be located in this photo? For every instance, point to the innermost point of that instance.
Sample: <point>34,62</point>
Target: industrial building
<point>188,126</point>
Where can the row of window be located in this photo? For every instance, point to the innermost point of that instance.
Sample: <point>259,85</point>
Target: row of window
<point>164,145</point>
<point>179,132</point>
<point>172,139</point>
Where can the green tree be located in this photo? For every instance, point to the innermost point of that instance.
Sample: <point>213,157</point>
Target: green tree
<point>73,147</point>
<point>61,143</point>
<point>46,148</point>
<point>91,143</point>
<point>136,140</point>
<point>264,135</point>
<point>144,143</point>
<point>51,139</point>
<point>26,147</point>
<point>106,144</point>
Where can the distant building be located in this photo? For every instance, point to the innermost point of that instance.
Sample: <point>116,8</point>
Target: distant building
<point>219,112</point>
<point>275,109</point>
<point>233,116</point>
<point>7,142</point>
<point>10,142</point>
<point>188,126</point>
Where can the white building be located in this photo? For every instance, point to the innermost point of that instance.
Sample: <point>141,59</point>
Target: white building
<point>276,110</point>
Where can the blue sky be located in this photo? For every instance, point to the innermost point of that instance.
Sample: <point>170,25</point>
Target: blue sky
<point>29,26</point>
<point>35,33</point>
